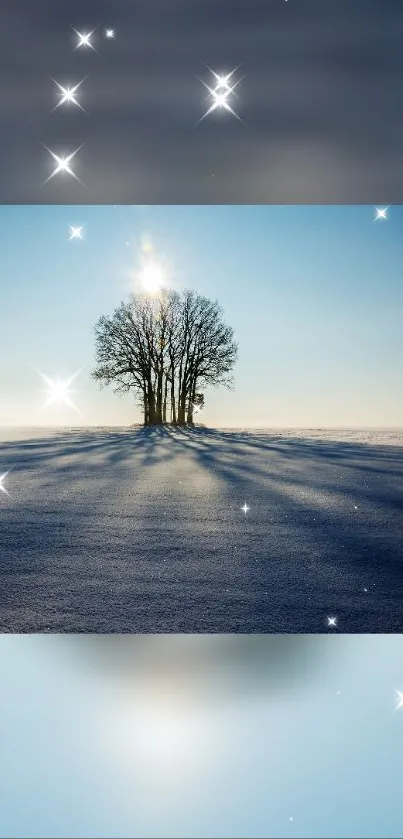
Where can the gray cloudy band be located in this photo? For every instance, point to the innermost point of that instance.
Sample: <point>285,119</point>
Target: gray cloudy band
<point>319,108</point>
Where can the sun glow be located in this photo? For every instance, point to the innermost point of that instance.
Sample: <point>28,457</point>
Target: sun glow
<point>152,277</point>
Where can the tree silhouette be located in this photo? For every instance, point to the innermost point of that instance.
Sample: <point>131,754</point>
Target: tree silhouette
<point>164,349</point>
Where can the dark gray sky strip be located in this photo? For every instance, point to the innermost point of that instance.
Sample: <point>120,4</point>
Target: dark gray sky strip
<point>320,98</point>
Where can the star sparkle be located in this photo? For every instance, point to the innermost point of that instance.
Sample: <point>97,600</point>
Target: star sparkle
<point>332,622</point>
<point>75,232</point>
<point>2,479</point>
<point>399,700</point>
<point>84,39</point>
<point>63,164</point>
<point>68,95</point>
<point>222,82</point>
<point>245,508</point>
<point>381,213</point>
<point>220,93</point>
<point>109,33</point>
<point>59,391</point>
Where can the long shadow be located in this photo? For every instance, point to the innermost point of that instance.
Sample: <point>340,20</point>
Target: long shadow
<point>117,446</point>
<point>238,460</point>
<point>321,449</point>
<point>354,543</point>
<point>209,455</point>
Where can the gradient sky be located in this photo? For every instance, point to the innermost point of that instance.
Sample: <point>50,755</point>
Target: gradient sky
<point>314,295</point>
<point>321,99</point>
<point>201,736</point>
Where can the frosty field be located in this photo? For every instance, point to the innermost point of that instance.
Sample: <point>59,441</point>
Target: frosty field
<point>142,530</point>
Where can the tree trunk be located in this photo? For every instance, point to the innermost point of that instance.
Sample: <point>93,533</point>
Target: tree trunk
<point>151,404</point>
<point>192,396</point>
<point>158,408</point>
<point>158,411</point>
<point>182,407</point>
<point>164,410</point>
<point>180,420</point>
<point>146,416</point>
<point>173,403</point>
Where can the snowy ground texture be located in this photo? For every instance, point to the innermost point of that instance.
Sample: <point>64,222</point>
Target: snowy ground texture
<point>141,530</point>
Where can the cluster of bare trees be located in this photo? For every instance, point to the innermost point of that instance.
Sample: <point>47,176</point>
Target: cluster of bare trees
<point>165,349</point>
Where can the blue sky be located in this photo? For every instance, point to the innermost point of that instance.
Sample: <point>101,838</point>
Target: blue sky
<point>313,293</point>
<point>294,736</point>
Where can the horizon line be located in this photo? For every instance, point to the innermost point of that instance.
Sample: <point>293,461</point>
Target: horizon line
<point>202,425</point>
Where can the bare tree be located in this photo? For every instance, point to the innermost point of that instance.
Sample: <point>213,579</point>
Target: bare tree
<point>163,349</point>
<point>214,352</point>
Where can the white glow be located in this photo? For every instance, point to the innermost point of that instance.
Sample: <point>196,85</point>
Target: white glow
<point>152,277</point>
<point>163,735</point>
<point>399,699</point>
<point>220,98</point>
<point>381,213</point>
<point>109,33</point>
<point>332,622</point>
<point>59,391</point>
<point>245,508</point>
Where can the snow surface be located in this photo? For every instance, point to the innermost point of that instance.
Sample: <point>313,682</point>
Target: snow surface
<point>141,530</point>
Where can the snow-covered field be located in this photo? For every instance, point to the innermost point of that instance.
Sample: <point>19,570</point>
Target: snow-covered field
<point>135,530</point>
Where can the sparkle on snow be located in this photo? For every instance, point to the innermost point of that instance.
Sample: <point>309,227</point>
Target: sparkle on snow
<point>75,232</point>
<point>109,33</point>
<point>63,164</point>
<point>332,622</point>
<point>2,478</point>
<point>245,508</point>
<point>68,95</point>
